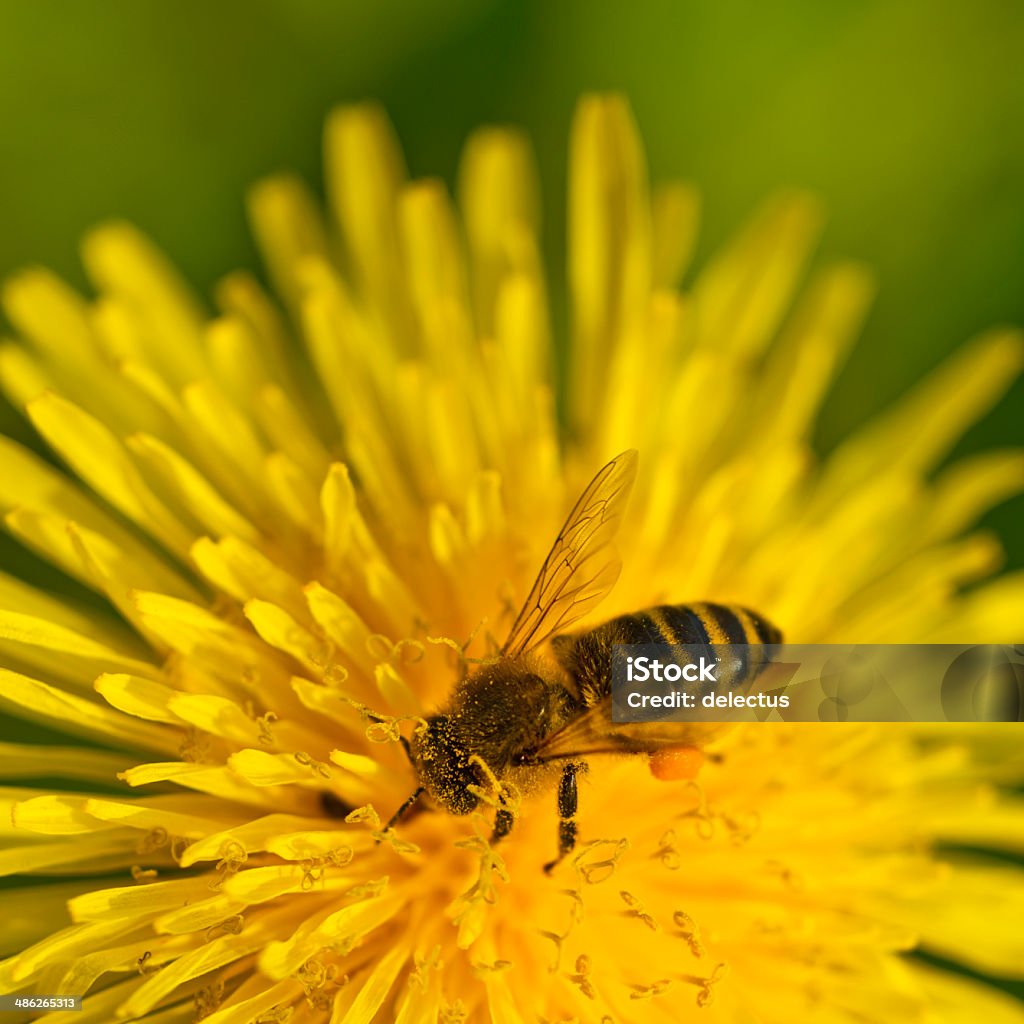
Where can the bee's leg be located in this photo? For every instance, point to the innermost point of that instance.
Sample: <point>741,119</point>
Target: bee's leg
<point>503,822</point>
<point>404,809</point>
<point>566,812</point>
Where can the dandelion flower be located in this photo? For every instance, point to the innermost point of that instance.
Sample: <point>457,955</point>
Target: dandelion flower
<point>297,515</point>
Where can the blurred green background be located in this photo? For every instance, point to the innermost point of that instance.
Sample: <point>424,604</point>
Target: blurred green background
<point>904,116</point>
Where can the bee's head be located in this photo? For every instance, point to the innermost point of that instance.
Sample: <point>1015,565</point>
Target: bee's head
<point>442,763</point>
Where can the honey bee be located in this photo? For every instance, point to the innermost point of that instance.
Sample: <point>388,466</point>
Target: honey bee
<point>522,723</point>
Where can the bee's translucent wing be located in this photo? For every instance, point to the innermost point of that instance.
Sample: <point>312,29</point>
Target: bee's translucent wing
<point>581,567</point>
<point>594,732</point>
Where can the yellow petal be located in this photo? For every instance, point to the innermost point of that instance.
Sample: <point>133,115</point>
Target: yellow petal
<point>219,716</point>
<point>221,782</point>
<point>231,439</point>
<point>221,951</point>
<point>29,483</point>
<point>85,854</point>
<point>364,172</point>
<point>199,634</point>
<point>32,912</point>
<point>62,946</point>
<point>434,261</point>
<point>920,428</point>
<point>969,488</point>
<point>500,208</point>
<point>281,631</point>
<point>244,572</point>
<point>97,457</point>
<point>742,295</point>
<point>955,999</point>
<point>22,377</point>
<point>294,494</point>
<point>252,836</point>
<point>125,263</point>
<point>19,596</point>
<point>51,313</point>
<point>142,698</point>
<point>58,321</point>
<point>136,901</point>
<point>341,624</point>
<point>289,227</point>
<point>243,1011</point>
<point>338,505</point>
<point>289,432</point>
<point>199,915</point>
<point>55,815</point>
<point>159,813</point>
<point>83,972</point>
<point>802,365</point>
<point>241,295</point>
<point>674,220</point>
<point>195,497</point>
<point>37,701</point>
<point>609,240</point>
<point>950,925</point>
<point>279,959</point>
<point>37,760</point>
<point>377,985</point>
<point>41,632</point>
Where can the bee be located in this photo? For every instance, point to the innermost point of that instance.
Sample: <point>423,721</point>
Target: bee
<point>521,722</point>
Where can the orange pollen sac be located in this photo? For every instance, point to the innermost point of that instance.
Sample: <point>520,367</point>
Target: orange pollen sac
<point>676,764</point>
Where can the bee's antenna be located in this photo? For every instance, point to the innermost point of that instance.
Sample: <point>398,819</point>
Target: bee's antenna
<point>405,808</point>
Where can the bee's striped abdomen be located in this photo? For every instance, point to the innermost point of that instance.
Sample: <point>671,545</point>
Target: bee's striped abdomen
<point>715,625</point>
<point>588,656</point>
